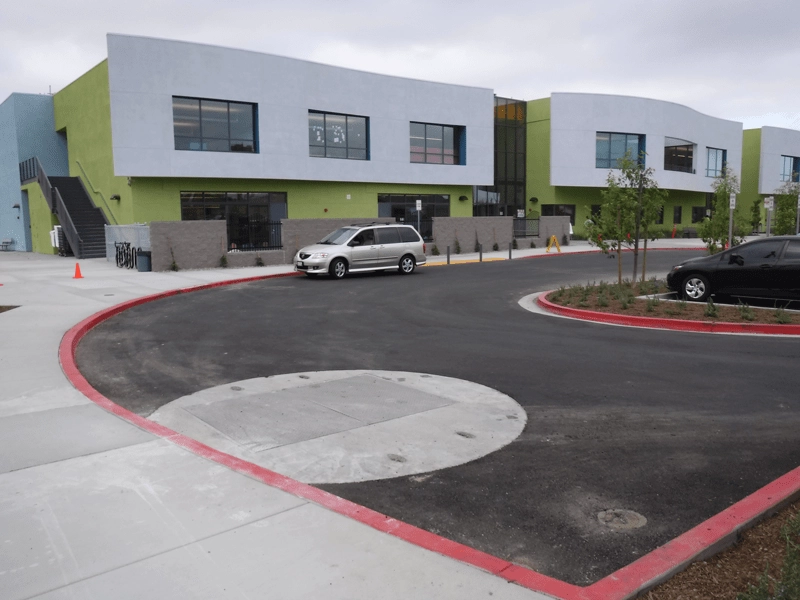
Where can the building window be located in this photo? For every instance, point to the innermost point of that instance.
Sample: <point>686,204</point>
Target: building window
<point>214,125</point>
<point>559,210</point>
<point>660,216</point>
<point>253,218</point>
<point>677,215</point>
<point>790,168</point>
<point>698,213</point>
<point>403,209</point>
<point>678,155</point>
<point>438,144</point>
<point>611,147</point>
<point>332,135</point>
<point>715,165</point>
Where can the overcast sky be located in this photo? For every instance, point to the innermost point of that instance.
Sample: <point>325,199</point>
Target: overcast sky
<point>734,59</point>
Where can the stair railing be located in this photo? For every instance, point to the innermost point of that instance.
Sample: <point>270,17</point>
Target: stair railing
<point>96,191</point>
<point>67,226</point>
<point>32,169</point>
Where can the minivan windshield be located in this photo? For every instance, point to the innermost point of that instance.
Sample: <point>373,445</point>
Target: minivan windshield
<point>340,236</point>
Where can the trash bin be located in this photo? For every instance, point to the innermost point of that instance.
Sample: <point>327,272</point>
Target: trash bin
<point>143,261</point>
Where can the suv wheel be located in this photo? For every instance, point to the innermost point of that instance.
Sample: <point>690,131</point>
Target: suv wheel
<point>407,264</point>
<point>695,287</point>
<point>338,268</point>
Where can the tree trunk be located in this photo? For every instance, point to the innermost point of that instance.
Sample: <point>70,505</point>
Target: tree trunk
<point>644,258</point>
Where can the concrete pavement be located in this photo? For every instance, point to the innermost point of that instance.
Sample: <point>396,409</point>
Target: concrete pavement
<point>92,506</point>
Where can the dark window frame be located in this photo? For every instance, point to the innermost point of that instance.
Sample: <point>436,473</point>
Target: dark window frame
<point>698,213</point>
<point>252,230</point>
<point>429,153</point>
<point>560,210</point>
<point>203,140</point>
<point>679,157</point>
<point>329,147</point>
<point>677,215</point>
<point>716,172</point>
<point>794,169</point>
<point>610,160</point>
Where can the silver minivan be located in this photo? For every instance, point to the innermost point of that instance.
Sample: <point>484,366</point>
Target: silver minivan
<point>362,248</point>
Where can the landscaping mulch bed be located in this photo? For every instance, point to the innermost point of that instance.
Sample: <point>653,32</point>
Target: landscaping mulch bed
<point>731,573</point>
<point>622,299</point>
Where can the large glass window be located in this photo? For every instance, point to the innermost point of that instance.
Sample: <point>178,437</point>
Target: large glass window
<point>332,135</point>
<point>611,147</point>
<point>253,218</point>
<point>790,168</point>
<point>214,125</point>
<point>559,210</point>
<point>437,144</point>
<point>698,213</point>
<point>715,163</point>
<point>678,155</point>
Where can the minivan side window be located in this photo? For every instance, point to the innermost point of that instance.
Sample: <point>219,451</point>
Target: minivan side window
<point>387,235</point>
<point>366,237</point>
<point>407,234</point>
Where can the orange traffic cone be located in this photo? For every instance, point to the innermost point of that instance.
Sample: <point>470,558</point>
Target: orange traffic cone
<point>78,272</point>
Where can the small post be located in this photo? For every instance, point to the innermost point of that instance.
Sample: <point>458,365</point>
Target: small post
<point>768,204</point>
<point>448,255</point>
<point>510,244</point>
<point>730,220</point>
<point>480,252</point>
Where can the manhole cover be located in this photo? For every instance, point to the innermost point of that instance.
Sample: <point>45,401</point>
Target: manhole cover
<point>620,518</point>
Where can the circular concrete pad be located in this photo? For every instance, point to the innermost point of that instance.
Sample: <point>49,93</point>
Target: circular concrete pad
<point>346,426</point>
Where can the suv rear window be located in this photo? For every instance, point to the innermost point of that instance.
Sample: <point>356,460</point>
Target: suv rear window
<point>387,235</point>
<point>407,234</point>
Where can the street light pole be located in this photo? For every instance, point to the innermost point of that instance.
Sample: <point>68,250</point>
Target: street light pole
<point>797,221</point>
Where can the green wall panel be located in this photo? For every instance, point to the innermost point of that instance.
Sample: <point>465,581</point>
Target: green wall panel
<point>42,220</point>
<point>751,171</point>
<point>158,199</point>
<point>83,112</point>
<point>537,169</point>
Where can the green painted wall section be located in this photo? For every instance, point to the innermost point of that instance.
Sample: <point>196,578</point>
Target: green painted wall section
<point>83,111</point>
<point>537,169</point>
<point>42,220</point>
<point>158,199</point>
<point>751,168</point>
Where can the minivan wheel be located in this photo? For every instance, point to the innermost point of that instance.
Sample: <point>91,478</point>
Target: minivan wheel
<point>695,287</point>
<point>338,268</point>
<point>407,264</point>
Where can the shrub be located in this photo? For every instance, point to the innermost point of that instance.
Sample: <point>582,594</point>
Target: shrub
<point>495,247</point>
<point>223,261</point>
<point>711,310</point>
<point>514,244</point>
<point>457,247</point>
<point>782,317</point>
<point>746,312</point>
<point>435,250</point>
<point>259,261</point>
<point>533,244</point>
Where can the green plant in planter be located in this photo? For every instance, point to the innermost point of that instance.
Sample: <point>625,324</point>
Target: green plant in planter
<point>514,244</point>
<point>533,244</point>
<point>457,247</point>
<point>782,317</point>
<point>223,261</point>
<point>435,250</point>
<point>746,312</point>
<point>495,247</point>
<point>259,261</point>
<point>711,311</point>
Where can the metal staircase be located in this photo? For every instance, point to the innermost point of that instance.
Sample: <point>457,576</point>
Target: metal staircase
<point>81,221</point>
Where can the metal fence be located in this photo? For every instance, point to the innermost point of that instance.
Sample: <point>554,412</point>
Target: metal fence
<point>526,228</point>
<point>254,234</point>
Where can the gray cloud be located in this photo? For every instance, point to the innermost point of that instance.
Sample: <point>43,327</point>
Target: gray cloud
<point>733,59</point>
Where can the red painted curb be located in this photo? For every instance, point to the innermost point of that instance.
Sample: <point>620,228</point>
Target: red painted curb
<point>670,324</point>
<point>625,583</point>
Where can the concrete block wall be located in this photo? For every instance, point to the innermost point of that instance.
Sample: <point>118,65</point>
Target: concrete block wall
<point>487,230</point>
<point>191,244</point>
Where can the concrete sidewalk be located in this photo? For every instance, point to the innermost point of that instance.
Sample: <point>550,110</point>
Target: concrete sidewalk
<point>94,507</point>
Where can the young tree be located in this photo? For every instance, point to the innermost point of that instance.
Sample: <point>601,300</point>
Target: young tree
<point>635,201</point>
<point>611,228</point>
<point>755,213</point>
<point>785,216</point>
<point>714,230</point>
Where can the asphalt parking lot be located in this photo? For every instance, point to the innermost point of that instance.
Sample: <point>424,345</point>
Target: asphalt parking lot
<point>674,426</point>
